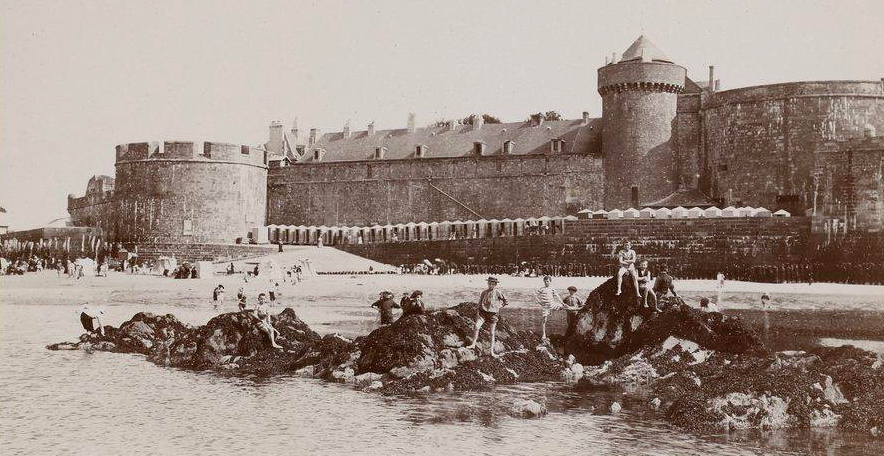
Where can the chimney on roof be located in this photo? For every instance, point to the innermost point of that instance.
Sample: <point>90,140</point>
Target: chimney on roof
<point>717,84</point>
<point>585,117</point>
<point>274,143</point>
<point>613,57</point>
<point>412,118</point>
<point>370,128</point>
<point>295,128</point>
<point>478,122</point>
<point>711,78</point>
<point>452,125</point>
<point>347,129</point>
<point>314,132</point>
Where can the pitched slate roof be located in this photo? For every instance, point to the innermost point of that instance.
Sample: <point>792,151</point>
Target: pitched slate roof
<point>579,137</point>
<point>645,51</point>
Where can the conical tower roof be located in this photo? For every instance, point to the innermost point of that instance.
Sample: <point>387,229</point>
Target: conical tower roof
<point>643,50</point>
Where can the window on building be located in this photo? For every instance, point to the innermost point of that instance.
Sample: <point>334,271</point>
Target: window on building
<point>478,148</point>
<point>380,153</point>
<point>244,150</point>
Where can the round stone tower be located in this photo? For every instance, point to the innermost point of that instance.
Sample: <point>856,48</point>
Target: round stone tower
<point>183,192</point>
<point>639,98</point>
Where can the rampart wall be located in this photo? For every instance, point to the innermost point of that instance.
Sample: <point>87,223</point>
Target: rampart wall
<point>759,142</point>
<point>188,192</point>
<point>715,243</point>
<point>394,191</point>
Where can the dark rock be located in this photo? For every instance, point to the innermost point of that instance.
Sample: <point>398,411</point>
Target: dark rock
<point>705,390</point>
<point>610,325</point>
<point>419,352</point>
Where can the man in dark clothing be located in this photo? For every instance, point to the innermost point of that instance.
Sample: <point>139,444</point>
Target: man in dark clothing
<point>413,305</point>
<point>385,305</point>
<point>663,284</point>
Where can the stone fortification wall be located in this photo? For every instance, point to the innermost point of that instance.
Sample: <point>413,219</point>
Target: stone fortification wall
<point>97,211</point>
<point>188,192</point>
<point>760,141</point>
<point>399,191</point>
<point>702,243</point>
<point>850,186</point>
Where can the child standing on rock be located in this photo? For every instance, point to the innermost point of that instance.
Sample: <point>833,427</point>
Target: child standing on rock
<point>549,300</point>
<point>490,302</point>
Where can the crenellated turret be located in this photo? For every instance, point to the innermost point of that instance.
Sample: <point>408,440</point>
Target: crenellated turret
<point>639,98</point>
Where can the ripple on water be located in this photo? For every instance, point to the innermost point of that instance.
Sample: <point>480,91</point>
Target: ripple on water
<point>79,403</point>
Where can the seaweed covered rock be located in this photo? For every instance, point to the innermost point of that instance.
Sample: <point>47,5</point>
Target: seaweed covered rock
<point>707,390</point>
<point>419,352</point>
<point>610,325</point>
<point>427,352</point>
<point>236,339</point>
<point>142,333</point>
<point>228,341</point>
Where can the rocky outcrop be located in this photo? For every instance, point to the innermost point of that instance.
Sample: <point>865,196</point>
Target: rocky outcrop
<point>702,389</point>
<point>423,352</point>
<point>428,352</point>
<point>611,325</point>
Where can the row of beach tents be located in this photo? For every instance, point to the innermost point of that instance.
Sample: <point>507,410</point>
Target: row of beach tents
<point>681,212</point>
<point>460,229</point>
<point>412,231</point>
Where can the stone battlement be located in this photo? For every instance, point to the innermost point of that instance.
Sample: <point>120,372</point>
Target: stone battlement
<point>797,89</point>
<point>191,151</point>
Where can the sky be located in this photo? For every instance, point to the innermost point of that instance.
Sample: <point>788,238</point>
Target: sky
<point>79,77</point>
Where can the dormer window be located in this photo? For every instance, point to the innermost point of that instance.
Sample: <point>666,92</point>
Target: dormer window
<point>556,146</point>
<point>508,147</point>
<point>318,154</point>
<point>478,148</point>
<point>420,151</point>
<point>380,153</point>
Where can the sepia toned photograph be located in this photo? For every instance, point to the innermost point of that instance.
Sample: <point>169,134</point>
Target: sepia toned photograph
<point>388,227</point>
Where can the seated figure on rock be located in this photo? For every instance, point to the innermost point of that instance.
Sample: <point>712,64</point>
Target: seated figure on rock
<point>626,258</point>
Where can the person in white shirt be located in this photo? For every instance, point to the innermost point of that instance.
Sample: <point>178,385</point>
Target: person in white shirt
<point>91,319</point>
<point>549,300</point>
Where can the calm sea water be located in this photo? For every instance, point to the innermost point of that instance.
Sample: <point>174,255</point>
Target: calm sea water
<point>105,403</point>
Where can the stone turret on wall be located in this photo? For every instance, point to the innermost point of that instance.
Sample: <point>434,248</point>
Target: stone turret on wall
<point>188,192</point>
<point>639,100</point>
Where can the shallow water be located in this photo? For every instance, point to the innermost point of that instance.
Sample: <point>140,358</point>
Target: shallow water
<point>105,403</point>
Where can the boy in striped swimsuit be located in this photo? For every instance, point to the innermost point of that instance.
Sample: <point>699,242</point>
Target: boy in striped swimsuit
<point>549,300</point>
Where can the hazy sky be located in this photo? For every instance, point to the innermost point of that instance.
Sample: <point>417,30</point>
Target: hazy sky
<point>77,78</point>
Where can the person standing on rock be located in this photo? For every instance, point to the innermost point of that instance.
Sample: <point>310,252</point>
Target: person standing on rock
<point>572,307</point>
<point>385,305</point>
<point>626,258</point>
<point>549,300</point>
<point>490,302</point>
<point>262,314</point>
